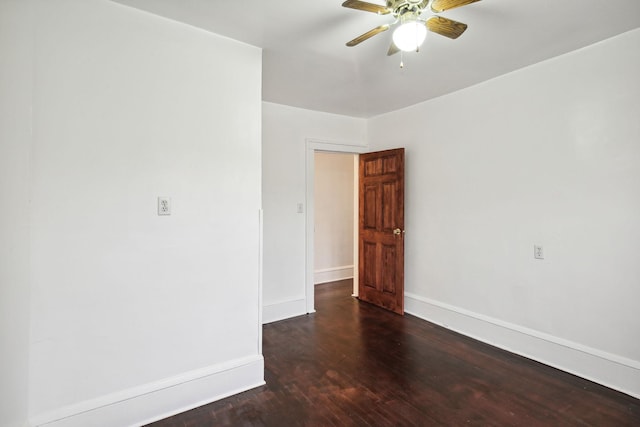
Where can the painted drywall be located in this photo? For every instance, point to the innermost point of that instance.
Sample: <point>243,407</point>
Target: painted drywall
<point>547,155</point>
<point>334,224</point>
<point>16,43</point>
<point>284,135</point>
<point>135,316</point>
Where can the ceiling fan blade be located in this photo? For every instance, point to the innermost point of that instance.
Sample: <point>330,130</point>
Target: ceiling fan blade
<point>446,27</point>
<point>368,35</point>
<point>367,7</point>
<point>441,5</point>
<point>393,49</point>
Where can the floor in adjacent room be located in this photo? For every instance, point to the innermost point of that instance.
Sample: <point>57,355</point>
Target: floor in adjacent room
<point>353,364</point>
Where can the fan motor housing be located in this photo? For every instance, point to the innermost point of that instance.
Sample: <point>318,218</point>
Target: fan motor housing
<point>400,7</point>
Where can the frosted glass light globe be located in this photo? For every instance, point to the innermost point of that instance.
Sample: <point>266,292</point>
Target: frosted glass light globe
<point>410,35</point>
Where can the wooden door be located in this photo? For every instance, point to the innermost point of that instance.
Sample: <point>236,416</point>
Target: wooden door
<point>381,229</point>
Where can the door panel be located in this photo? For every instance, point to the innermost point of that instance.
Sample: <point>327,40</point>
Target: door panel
<point>369,211</point>
<point>389,272</point>
<point>368,278</point>
<point>381,229</point>
<point>389,191</point>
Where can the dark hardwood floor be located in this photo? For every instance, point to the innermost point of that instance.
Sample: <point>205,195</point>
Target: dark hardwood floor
<point>352,364</point>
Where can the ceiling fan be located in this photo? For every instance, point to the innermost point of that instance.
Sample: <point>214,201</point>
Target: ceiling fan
<point>412,30</point>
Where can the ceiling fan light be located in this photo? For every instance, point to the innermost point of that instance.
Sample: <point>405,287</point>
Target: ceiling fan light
<point>410,35</point>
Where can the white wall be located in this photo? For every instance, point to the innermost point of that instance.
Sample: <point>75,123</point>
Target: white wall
<point>285,130</point>
<point>133,316</point>
<point>334,216</point>
<point>16,43</point>
<point>546,155</point>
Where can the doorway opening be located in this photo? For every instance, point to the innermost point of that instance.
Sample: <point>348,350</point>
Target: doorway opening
<point>324,147</point>
<point>335,216</point>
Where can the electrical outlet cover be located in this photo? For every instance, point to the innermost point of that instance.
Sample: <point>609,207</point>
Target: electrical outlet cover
<point>164,206</point>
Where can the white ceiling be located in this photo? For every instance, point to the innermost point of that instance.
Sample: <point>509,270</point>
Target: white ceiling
<point>306,63</point>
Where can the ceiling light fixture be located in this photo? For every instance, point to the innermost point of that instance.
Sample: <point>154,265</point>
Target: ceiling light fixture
<point>411,33</point>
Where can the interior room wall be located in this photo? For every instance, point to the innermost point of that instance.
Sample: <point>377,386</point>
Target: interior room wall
<point>334,220</point>
<point>135,316</point>
<point>16,43</point>
<point>285,130</point>
<point>547,155</point>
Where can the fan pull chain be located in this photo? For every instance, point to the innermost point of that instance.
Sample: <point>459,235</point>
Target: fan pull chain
<point>401,59</point>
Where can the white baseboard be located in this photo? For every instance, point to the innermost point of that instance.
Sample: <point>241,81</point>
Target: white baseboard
<point>155,401</point>
<point>610,370</point>
<point>283,310</point>
<point>333,274</point>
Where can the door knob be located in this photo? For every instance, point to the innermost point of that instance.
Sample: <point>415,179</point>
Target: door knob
<point>397,231</point>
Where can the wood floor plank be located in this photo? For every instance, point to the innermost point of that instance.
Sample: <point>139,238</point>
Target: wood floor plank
<point>352,364</point>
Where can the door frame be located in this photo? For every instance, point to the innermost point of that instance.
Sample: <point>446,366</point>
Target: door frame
<point>311,146</point>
